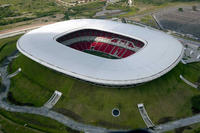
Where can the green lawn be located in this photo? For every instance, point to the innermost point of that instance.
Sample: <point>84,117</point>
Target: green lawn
<point>14,123</point>
<point>93,104</point>
<point>7,46</point>
<point>8,126</point>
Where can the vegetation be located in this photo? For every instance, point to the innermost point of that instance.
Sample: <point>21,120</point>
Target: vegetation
<point>30,6</point>
<point>28,123</point>
<point>7,126</point>
<point>180,9</point>
<point>5,11</point>
<point>7,46</point>
<point>86,10</point>
<point>46,13</point>
<point>196,103</point>
<point>86,102</point>
<point>194,8</point>
<point>15,20</point>
<point>197,130</point>
<point>66,17</point>
<point>23,10</point>
<point>93,104</point>
<point>148,20</point>
<point>25,123</point>
<point>122,5</point>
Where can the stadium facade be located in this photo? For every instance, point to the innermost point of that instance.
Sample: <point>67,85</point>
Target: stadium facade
<point>102,51</point>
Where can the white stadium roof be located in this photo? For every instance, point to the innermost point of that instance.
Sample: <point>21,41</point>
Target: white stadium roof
<point>160,54</point>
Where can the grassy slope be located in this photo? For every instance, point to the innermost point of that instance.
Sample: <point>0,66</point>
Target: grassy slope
<point>94,103</point>
<point>33,121</point>
<point>8,126</point>
<point>14,122</point>
<point>86,10</point>
<point>7,45</point>
<point>32,79</point>
<point>166,96</point>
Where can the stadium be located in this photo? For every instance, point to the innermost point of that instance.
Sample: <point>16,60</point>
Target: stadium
<point>102,51</point>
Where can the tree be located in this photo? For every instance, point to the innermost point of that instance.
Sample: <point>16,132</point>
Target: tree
<point>195,100</point>
<point>66,17</point>
<point>194,8</point>
<point>180,9</point>
<point>198,83</point>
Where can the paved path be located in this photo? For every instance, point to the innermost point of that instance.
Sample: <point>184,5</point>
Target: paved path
<point>179,123</point>
<point>189,41</point>
<point>17,32</point>
<point>188,82</point>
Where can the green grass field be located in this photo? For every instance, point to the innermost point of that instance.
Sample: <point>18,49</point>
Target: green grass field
<point>8,126</point>
<point>93,104</point>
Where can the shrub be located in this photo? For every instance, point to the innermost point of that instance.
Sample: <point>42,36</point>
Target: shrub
<point>180,9</point>
<point>15,20</point>
<point>194,8</point>
<point>195,100</point>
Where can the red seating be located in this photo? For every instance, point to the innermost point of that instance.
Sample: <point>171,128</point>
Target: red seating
<point>114,40</point>
<point>114,50</point>
<point>98,45</point>
<point>103,47</point>
<point>87,45</point>
<point>128,53</point>
<point>93,44</point>
<point>122,52</point>
<point>139,44</point>
<point>131,45</point>
<point>119,50</point>
<point>111,49</point>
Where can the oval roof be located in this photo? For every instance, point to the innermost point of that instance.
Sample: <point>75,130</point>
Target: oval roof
<point>160,54</point>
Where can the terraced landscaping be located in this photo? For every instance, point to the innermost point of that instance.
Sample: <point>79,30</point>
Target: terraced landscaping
<point>93,104</point>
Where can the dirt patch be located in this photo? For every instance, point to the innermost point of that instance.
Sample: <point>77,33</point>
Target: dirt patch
<point>165,120</point>
<point>71,130</point>
<point>35,121</point>
<point>69,113</point>
<point>186,21</point>
<point>111,125</point>
<point>181,130</point>
<point>14,101</point>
